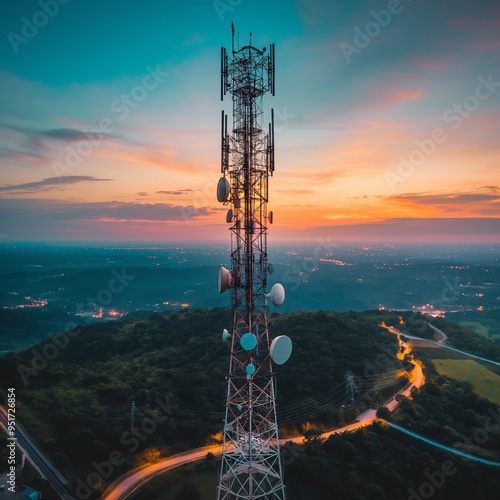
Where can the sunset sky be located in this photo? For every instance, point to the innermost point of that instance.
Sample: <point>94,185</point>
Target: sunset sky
<point>387,118</point>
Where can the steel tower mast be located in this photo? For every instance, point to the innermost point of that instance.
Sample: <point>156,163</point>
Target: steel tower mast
<point>251,466</point>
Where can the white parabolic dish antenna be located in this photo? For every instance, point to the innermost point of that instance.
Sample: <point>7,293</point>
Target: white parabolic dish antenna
<point>223,190</point>
<point>223,279</point>
<point>277,294</point>
<point>225,336</point>
<point>281,349</point>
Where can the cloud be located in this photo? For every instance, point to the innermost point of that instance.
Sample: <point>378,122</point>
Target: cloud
<point>28,145</point>
<point>51,210</point>
<point>294,192</point>
<point>412,229</point>
<point>453,198</point>
<point>49,183</point>
<point>480,201</point>
<point>176,193</point>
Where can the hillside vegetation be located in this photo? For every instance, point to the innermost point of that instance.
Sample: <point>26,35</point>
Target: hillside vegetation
<point>150,387</point>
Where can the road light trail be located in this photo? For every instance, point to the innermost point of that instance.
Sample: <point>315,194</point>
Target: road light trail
<point>442,446</point>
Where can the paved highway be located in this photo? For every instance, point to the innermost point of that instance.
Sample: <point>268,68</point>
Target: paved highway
<point>130,482</point>
<point>440,343</point>
<point>444,447</point>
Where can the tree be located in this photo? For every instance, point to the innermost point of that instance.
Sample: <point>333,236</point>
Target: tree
<point>383,412</point>
<point>189,491</point>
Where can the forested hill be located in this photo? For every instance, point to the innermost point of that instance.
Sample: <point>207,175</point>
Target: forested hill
<point>75,391</point>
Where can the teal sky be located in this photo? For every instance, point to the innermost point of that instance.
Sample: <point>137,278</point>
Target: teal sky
<point>361,88</point>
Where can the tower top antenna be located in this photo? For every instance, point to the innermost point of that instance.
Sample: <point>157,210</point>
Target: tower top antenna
<point>232,37</point>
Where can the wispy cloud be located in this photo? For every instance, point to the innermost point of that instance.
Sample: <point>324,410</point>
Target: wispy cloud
<point>49,184</point>
<point>103,211</point>
<point>481,201</point>
<point>178,192</point>
<point>34,147</point>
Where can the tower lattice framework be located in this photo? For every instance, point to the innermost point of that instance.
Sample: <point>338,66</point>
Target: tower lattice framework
<point>251,466</point>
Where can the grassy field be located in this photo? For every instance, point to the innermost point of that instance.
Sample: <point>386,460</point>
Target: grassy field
<point>479,328</point>
<point>485,382</point>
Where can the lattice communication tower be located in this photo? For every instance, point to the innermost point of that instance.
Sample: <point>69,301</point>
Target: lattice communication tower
<point>251,466</point>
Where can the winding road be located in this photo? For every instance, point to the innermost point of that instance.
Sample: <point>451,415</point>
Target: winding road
<point>440,343</point>
<point>124,486</point>
<point>130,482</point>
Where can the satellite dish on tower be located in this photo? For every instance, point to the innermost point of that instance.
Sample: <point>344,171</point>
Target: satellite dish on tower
<point>270,216</point>
<point>223,190</point>
<point>281,349</point>
<point>229,216</point>
<point>225,336</point>
<point>248,341</point>
<point>277,294</point>
<point>223,279</point>
<point>270,269</point>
